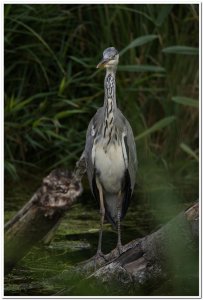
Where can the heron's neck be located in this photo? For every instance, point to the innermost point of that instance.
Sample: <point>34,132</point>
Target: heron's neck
<point>110,90</point>
<point>109,105</point>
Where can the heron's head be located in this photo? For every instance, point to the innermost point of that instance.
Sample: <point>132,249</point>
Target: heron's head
<point>110,58</point>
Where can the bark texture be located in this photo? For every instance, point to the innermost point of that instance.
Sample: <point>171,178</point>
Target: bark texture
<point>41,214</point>
<point>146,262</point>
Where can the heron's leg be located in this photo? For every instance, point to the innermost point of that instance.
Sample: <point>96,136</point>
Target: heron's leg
<point>119,244</point>
<point>102,212</point>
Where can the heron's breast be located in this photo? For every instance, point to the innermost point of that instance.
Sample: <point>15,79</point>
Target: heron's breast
<point>110,166</point>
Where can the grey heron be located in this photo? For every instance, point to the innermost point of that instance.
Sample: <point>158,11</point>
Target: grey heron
<point>110,153</point>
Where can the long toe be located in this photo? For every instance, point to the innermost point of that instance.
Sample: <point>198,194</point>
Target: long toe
<point>120,249</point>
<point>100,254</point>
<point>98,259</point>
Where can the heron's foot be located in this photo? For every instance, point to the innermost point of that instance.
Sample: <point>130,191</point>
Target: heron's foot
<point>94,262</point>
<point>98,259</point>
<point>100,255</point>
<point>120,249</point>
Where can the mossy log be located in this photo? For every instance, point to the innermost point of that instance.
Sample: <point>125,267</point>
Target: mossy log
<point>40,215</point>
<point>152,259</point>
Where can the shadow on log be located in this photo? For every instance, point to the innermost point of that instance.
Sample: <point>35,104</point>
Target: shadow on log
<point>173,249</point>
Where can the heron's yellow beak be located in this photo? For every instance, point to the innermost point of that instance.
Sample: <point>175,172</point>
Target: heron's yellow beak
<point>102,63</point>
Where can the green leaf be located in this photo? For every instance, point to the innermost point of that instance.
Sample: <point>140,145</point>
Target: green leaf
<point>157,126</point>
<point>10,168</point>
<point>186,101</point>
<point>181,50</point>
<point>16,105</point>
<point>80,61</point>
<point>35,144</point>
<point>67,113</point>
<point>141,68</point>
<point>189,151</point>
<point>56,136</point>
<point>138,42</point>
<point>62,85</point>
<point>164,11</point>
<point>44,43</point>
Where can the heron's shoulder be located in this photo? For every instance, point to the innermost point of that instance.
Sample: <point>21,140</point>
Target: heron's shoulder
<point>98,117</point>
<point>100,112</point>
<point>120,115</point>
<point>121,120</point>
<point>95,121</point>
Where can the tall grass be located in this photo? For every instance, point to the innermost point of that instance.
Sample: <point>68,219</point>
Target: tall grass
<point>52,88</point>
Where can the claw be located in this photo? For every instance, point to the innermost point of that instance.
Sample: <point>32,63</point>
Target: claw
<point>97,258</point>
<point>100,255</point>
<point>120,249</point>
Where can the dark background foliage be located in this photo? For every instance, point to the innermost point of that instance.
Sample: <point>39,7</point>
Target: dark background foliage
<point>52,88</point>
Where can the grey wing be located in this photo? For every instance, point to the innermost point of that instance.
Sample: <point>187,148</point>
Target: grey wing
<point>129,150</point>
<point>132,157</point>
<point>92,131</point>
<point>130,147</point>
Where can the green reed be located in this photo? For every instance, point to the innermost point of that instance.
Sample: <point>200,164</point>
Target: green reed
<point>52,88</point>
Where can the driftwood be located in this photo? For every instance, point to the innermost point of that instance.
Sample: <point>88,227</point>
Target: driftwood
<point>152,259</point>
<point>143,263</point>
<point>41,214</point>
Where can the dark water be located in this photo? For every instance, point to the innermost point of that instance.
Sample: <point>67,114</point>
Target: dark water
<point>49,269</point>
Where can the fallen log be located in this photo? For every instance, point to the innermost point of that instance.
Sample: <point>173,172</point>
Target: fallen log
<point>41,214</point>
<point>143,263</point>
<point>148,261</point>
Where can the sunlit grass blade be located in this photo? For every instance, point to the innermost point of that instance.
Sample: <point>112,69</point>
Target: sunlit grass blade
<point>157,126</point>
<point>67,113</point>
<point>186,101</point>
<point>181,50</point>
<point>189,151</point>
<point>138,42</point>
<point>11,169</point>
<point>19,105</point>
<point>62,85</point>
<point>56,136</point>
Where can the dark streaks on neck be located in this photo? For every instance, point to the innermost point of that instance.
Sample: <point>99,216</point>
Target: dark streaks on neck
<point>110,136</point>
<point>110,86</point>
<point>106,125</point>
